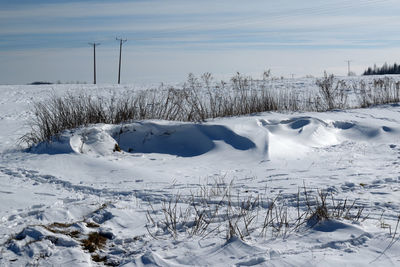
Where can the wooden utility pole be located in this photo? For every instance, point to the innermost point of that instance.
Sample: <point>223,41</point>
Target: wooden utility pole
<point>121,41</point>
<point>348,67</point>
<point>94,61</point>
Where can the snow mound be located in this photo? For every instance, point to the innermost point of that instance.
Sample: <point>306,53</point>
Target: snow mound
<point>58,194</point>
<point>89,140</point>
<point>179,139</point>
<point>184,140</point>
<point>151,259</point>
<point>295,136</point>
<point>360,131</point>
<point>288,137</point>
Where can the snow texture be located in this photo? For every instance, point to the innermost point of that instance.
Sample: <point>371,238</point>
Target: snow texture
<point>56,195</point>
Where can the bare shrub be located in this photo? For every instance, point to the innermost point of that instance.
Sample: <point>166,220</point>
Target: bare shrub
<point>197,100</point>
<point>333,93</point>
<point>378,92</point>
<point>60,113</point>
<point>223,213</point>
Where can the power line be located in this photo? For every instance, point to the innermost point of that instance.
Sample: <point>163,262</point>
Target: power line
<point>325,9</point>
<point>94,61</point>
<point>121,41</point>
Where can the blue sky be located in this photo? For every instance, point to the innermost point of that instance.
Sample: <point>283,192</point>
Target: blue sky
<point>48,40</point>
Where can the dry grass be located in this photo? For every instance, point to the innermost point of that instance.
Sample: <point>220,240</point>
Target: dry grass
<point>197,100</point>
<point>200,99</point>
<point>94,241</point>
<point>98,258</point>
<point>217,210</point>
<point>381,91</point>
<point>92,225</point>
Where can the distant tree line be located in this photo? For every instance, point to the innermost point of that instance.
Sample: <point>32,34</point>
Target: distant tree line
<point>385,69</point>
<point>40,83</point>
<point>58,82</point>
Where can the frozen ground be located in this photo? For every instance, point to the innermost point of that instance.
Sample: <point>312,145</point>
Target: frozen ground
<point>54,196</point>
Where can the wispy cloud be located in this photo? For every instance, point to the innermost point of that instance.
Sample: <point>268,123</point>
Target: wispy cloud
<point>178,26</point>
<point>191,20</point>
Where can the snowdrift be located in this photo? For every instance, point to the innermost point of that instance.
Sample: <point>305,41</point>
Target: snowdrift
<point>268,138</point>
<point>58,199</point>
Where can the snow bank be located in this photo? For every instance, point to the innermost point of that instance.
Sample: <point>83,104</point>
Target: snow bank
<point>290,137</point>
<point>58,194</point>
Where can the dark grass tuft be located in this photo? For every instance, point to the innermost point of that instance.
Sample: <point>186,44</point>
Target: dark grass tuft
<point>94,241</point>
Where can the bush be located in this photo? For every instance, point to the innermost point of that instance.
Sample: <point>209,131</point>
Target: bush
<point>216,210</point>
<point>332,92</point>
<point>197,100</point>
<point>381,91</point>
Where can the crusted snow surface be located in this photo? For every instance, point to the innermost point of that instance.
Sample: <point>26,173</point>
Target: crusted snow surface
<point>77,202</point>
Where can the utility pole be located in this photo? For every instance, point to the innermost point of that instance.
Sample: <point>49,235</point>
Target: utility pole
<point>94,61</point>
<point>348,67</point>
<point>121,41</point>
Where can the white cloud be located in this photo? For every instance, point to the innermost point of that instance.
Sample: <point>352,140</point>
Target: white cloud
<point>131,8</point>
<point>198,36</point>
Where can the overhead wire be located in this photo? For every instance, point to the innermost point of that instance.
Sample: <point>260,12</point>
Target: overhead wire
<point>274,17</point>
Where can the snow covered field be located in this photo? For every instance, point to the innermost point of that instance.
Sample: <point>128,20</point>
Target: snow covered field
<point>76,202</point>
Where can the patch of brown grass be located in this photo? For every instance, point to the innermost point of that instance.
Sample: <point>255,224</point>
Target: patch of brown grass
<point>94,241</point>
<point>92,225</point>
<point>98,258</point>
